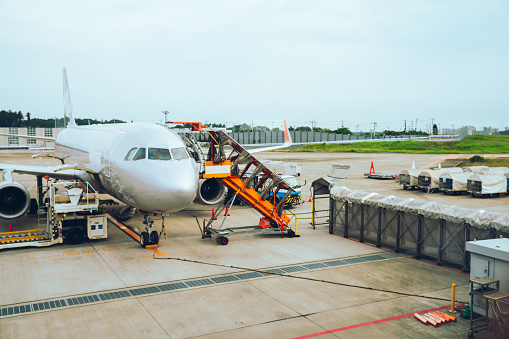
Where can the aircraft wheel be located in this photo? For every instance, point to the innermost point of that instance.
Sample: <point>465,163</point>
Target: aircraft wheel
<point>223,241</point>
<point>74,236</point>
<point>143,239</point>
<point>154,238</point>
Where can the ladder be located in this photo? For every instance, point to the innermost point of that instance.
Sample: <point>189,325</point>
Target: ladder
<point>489,297</point>
<point>257,189</point>
<point>499,303</point>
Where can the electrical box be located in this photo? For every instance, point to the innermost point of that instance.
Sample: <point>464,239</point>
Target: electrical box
<point>97,226</point>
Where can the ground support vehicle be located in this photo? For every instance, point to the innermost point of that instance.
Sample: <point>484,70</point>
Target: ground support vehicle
<point>295,197</point>
<point>250,180</point>
<point>71,212</point>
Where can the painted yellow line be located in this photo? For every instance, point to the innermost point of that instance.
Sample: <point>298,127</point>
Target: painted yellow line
<point>124,228</point>
<point>159,245</point>
<point>159,253</point>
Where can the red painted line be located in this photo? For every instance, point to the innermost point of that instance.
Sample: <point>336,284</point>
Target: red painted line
<point>368,323</point>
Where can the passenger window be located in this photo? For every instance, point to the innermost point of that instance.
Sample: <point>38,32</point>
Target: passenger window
<point>130,154</point>
<point>159,154</point>
<point>140,154</point>
<point>179,153</point>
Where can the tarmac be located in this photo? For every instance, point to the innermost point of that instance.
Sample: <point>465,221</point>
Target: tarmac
<point>113,288</point>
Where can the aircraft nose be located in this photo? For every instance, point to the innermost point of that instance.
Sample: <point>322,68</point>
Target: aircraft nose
<point>174,191</point>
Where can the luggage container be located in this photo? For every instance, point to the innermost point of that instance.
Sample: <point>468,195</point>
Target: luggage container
<point>429,180</point>
<point>408,178</point>
<point>480,185</point>
<point>454,182</point>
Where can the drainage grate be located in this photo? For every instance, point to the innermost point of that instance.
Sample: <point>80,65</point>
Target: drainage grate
<point>355,260</point>
<point>335,263</point>
<point>314,266</point>
<point>132,292</point>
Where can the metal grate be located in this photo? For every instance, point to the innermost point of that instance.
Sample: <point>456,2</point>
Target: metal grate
<point>314,266</point>
<point>334,263</point>
<point>133,292</point>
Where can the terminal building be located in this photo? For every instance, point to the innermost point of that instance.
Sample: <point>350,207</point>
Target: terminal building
<point>23,143</point>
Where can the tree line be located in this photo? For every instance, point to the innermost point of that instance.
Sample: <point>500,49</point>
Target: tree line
<point>18,119</point>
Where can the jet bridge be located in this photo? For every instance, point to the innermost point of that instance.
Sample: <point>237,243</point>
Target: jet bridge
<point>249,179</point>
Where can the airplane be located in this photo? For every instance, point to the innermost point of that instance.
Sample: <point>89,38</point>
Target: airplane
<point>144,165</point>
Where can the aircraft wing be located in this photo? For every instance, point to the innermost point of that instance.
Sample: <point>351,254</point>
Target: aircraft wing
<point>288,142</point>
<point>65,172</point>
<point>28,136</point>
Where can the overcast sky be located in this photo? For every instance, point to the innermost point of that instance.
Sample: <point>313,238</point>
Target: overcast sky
<point>356,61</point>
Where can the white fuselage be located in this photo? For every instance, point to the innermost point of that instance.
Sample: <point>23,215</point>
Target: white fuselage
<point>155,182</point>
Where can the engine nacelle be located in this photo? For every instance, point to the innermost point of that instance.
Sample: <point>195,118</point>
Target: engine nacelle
<point>14,199</point>
<point>210,192</point>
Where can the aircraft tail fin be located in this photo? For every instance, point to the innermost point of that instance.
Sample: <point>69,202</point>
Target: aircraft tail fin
<point>288,142</point>
<point>288,137</point>
<point>67,101</point>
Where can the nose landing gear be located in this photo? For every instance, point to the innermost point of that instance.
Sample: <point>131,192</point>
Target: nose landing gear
<point>148,237</point>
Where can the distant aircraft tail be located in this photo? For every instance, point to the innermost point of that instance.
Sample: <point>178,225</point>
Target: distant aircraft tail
<point>67,101</point>
<point>288,142</point>
<point>288,137</point>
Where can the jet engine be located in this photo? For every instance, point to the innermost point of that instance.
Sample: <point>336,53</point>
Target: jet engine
<point>210,192</point>
<point>14,199</point>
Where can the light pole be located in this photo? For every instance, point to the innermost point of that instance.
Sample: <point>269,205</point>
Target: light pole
<point>165,116</point>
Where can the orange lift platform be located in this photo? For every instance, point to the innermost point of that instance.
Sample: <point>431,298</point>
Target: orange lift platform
<point>258,189</point>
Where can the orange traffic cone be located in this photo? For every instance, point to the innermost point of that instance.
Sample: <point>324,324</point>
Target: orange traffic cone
<point>213,215</point>
<point>372,169</point>
<point>227,212</point>
<point>10,227</point>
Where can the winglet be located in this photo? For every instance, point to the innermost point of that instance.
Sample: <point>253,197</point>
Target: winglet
<point>67,100</point>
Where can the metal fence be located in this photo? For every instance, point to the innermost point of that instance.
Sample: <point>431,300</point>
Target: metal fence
<point>406,232</point>
<point>278,137</point>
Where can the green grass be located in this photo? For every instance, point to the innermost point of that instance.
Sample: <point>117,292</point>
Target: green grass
<point>483,144</point>
<point>496,162</point>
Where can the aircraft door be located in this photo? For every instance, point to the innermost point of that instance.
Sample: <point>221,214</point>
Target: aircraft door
<point>109,152</point>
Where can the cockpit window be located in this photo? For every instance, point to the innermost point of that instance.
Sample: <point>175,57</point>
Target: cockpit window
<point>179,153</point>
<point>140,154</point>
<point>159,154</point>
<point>130,154</point>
